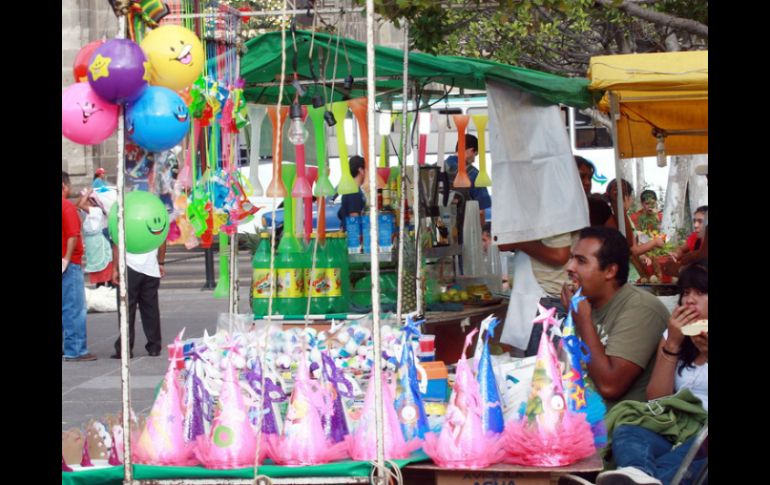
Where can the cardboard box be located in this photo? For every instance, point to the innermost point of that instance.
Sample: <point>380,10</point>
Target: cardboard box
<point>483,477</point>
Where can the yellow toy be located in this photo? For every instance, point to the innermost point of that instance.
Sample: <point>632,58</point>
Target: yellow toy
<point>176,56</point>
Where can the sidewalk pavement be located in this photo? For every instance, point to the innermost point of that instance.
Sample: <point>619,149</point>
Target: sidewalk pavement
<point>91,390</point>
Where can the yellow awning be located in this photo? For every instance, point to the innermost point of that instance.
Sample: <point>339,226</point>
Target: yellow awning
<point>664,91</point>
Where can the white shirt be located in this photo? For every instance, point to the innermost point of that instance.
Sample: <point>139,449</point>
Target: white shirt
<point>145,263</point>
<point>695,378</point>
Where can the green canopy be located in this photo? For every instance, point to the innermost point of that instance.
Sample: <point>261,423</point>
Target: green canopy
<point>262,64</point>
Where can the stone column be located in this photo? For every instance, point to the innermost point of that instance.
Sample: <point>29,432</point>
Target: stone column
<point>84,21</point>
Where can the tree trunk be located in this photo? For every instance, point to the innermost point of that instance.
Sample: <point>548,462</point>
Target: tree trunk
<point>673,210</point>
<point>699,189</point>
<point>658,18</point>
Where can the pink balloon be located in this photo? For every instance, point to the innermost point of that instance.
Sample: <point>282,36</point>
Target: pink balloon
<point>86,118</point>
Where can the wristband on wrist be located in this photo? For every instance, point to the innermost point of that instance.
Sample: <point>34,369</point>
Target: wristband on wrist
<point>670,359</point>
<point>668,352</point>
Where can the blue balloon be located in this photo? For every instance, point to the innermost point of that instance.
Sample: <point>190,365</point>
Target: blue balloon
<point>158,119</point>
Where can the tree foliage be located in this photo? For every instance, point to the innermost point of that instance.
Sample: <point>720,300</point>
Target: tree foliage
<point>558,36</point>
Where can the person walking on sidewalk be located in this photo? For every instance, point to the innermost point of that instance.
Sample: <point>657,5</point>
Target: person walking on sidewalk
<point>143,272</point>
<point>73,293</point>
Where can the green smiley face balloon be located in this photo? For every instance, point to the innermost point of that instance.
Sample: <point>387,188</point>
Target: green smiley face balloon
<point>146,222</point>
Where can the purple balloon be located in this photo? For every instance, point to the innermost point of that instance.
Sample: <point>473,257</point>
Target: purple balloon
<point>116,71</point>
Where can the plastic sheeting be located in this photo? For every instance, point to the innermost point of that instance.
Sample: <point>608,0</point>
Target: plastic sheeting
<point>535,181</point>
<point>262,64</point>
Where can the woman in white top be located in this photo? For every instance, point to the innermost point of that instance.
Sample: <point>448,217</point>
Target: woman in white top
<point>683,361</point>
<point>643,456</point>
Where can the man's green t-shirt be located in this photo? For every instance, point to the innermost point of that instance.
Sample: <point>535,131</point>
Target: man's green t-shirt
<point>630,326</point>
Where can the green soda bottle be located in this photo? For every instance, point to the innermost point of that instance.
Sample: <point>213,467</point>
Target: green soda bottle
<point>318,283</point>
<point>260,282</point>
<point>290,267</point>
<point>339,272</point>
<point>291,260</point>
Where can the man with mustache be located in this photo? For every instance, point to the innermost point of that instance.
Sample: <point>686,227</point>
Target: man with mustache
<point>620,324</point>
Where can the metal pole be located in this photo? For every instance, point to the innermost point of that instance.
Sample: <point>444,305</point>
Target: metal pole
<point>615,115</point>
<point>260,479</point>
<point>402,172</point>
<point>233,301</point>
<point>322,81</point>
<point>234,296</point>
<point>125,387</point>
<point>416,216</point>
<point>209,263</point>
<point>261,13</point>
<point>375,264</point>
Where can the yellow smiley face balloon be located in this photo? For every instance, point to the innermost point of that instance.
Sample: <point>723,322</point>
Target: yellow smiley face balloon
<point>176,56</point>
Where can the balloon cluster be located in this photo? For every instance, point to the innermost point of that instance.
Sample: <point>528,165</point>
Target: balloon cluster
<point>144,78</point>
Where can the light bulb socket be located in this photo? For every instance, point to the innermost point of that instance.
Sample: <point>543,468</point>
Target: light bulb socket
<point>300,90</point>
<point>317,101</point>
<point>329,118</point>
<point>348,83</point>
<point>295,111</point>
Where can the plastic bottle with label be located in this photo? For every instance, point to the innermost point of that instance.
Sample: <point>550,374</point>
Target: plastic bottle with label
<point>260,281</point>
<point>291,262</point>
<point>317,282</point>
<point>336,272</point>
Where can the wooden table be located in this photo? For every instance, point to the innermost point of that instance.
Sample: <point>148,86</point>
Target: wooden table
<point>503,474</point>
<point>450,332</point>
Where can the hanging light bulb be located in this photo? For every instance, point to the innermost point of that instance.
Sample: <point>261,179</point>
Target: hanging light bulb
<point>661,149</point>
<point>297,130</point>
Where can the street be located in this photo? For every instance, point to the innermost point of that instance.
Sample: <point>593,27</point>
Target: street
<point>91,390</point>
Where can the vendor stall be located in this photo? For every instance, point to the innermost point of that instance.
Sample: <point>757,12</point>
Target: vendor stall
<point>658,104</point>
<point>219,404</point>
<point>661,96</point>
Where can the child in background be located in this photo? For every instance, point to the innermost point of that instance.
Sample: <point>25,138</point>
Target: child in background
<point>98,253</point>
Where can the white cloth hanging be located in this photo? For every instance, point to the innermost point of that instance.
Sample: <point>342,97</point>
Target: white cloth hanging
<point>535,181</point>
<point>522,307</point>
